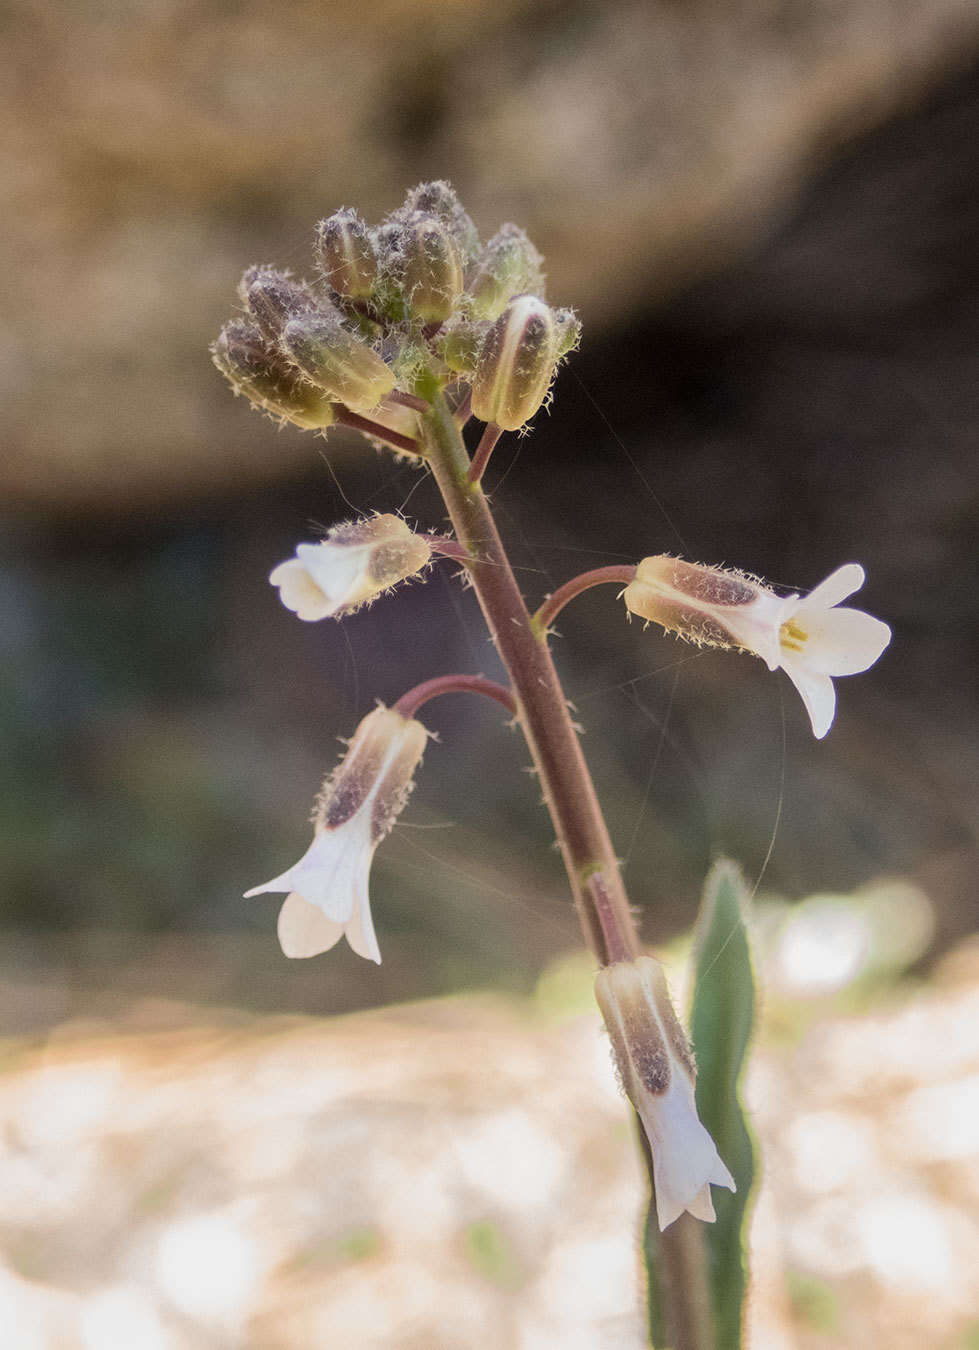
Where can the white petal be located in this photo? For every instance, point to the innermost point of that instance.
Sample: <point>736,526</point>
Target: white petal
<point>685,1160</point>
<point>333,872</point>
<point>702,1206</point>
<point>305,930</point>
<point>340,572</point>
<point>817,692</point>
<point>837,586</point>
<point>299,592</point>
<point>360,931</point>
<point>755,626</point>
<point>842,641</point>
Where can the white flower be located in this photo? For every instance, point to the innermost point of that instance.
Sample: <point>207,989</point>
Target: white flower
<point>355,562</point>
<point>328,886</point>
<point>657,1071</point>
<point>809,637</point>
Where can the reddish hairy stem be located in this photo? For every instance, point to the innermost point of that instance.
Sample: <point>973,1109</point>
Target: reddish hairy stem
<point>616,943</point>
<point>407,400</point>
<point>487,444</point>
<point>541,705</point>
<point>439,544</point>
<point>409,703</point>
<point>542,710</point>
<point>463,409</point>
<point>351,419</point>
<point>598,576</point>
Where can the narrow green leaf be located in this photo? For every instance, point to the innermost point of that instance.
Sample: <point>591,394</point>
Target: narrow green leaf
<point>720,1024</point>
<point>652,1253</point>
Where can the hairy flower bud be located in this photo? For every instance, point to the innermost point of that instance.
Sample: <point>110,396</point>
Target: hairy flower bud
<point>439,199</point>
<point>273,298</point>
<point>568,330</point>
<point>354,563</point>
<point>516,364</point>
<point>254,369</point>
<point>337,361</point>
<point>346,255</point>
<point>657,1071</point>
<point>509,265</point>
<point>328,888</point>
<point>460,343</point>
<point>431,269</point>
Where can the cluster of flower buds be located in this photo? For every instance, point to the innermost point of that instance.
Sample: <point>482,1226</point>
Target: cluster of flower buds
<point>417,293</point>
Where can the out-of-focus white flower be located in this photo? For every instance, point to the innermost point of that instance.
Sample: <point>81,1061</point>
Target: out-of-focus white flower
<point>327,888</point>
<point>657,1071</point>
<point>355,562</point>
<point>810,637</point>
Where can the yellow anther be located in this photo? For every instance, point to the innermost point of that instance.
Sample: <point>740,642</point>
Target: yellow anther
<point>792,637</point>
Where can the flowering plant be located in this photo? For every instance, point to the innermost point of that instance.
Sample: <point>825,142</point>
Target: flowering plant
<point>412,329</point>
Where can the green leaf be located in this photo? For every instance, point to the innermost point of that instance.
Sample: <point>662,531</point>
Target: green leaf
<point>652,1252</point>
<point>720,1024</point>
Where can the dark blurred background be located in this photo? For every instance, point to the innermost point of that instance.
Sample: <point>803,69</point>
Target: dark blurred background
<point>767,215</point>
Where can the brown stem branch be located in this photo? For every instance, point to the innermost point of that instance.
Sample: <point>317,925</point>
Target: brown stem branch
<point>542,707</point>
<point>407,400</point>
<point>598,576</point>
<point>463,409</point>
<point>487,444</point>
<point>409,703</point>
<point>346,418</point>
<point>439,544</point>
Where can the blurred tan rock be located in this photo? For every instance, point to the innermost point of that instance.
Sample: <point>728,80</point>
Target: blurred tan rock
<point>149,156</point>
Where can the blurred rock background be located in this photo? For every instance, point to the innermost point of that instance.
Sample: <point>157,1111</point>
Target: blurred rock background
<point>767,213</point>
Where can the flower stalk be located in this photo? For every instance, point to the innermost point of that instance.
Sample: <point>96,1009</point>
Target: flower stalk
<point>593,870</point>
<point>409,703</point>
<point>542,707</point>
<point>615,575</point>
<point>481,458</point>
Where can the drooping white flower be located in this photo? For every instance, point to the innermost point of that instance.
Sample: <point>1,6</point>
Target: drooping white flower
<point>355,562</point>
<point>328,887</point>
<point>657,1071</point>
<point>809,637</point>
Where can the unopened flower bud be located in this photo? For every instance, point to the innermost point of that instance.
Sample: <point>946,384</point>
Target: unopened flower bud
<point>516,364</point>
<point>346,255</point>
<point>431,269</point>
<point>568,330</point>
<point>509,265</point>
<point>460,343</point>
<point>337,361</point>
<point>354,563</point>
<point>254,369</point>
<point>809,637</point>
<point>439,199</point>
<point>273,298</point>
<point>657,1071</point>
<point>328,888</point>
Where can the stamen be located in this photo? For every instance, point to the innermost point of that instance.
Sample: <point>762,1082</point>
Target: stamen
<point>792,637</point>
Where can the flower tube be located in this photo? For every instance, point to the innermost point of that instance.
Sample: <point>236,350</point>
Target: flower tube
<point>328,887</point>
<point>809,637</point>
<point>657,1071</point>
<point>353,564</point>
